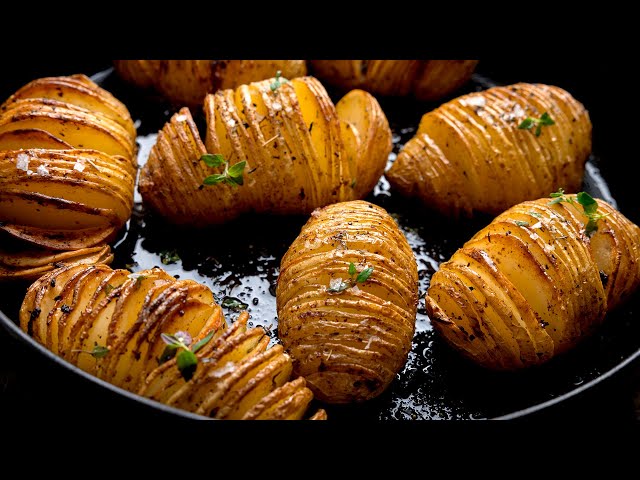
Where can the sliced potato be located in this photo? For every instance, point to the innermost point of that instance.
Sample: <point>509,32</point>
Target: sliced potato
<point>533,283</point>
<point>469,155</point>
<point>114,324</point>
<point>350,343</point>
<point>424,79</point>
<point>291,138</point>
<point>186,82</point>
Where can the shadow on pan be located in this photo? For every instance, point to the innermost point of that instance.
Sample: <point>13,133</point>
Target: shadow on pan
<point>240,261</point>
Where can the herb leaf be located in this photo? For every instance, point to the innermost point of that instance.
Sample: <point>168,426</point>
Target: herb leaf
<point>169,256</point>
<point>99,351</point>
<point>187,363</point>
<point>231,175</point>
<point>588,203</point>
<point>278,81</point>
<point>528,123</point>
<point>546,119</point>
<point>235,172</point>
<point>202,342</point>
<point>167,354</point>
<point>521,223</point>
<point>337,285</point>
<point>214,179</point>
<point>364,275</point>
<point>234,303</point>
<point>170,340</point>
<point>213,160</point>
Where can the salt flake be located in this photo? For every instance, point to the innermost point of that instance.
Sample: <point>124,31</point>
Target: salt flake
<point>22,162</point>
<point>42,170</point>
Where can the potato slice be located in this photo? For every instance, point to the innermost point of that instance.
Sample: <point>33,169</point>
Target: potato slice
<point>110,324</point>
<point>363,114</point>
<point>535,271</point>
<point>30,138</point>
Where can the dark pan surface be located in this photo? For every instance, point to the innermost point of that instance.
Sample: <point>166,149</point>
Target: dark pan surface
<point>241,259</point>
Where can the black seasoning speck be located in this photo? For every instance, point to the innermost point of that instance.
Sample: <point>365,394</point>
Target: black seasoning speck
<point>65,308</point>
<point>52,282</point>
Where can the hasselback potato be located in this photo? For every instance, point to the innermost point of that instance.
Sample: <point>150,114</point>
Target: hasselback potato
<point>126,329</point>
<point>301,153</point>
<point>535,281</point>
<point>470,154</point>
<point>424,79</point>
<point>67,170</point>
<point>347,296</point>
<point>186,82</point>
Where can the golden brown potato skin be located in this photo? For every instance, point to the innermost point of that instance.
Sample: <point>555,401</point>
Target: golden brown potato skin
<point>75,308</point>
<point>301,152</point>
<point>469,155</point>
<point>424,79</point>
<point>67,173</point>
<point>532,284</point>
<point>186,82</point>
<point>348,345</point>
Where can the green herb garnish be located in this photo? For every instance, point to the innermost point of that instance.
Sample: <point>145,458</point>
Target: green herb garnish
<point>338,285</point>
<point>180,344</point>
<point>234,304</point>
<point>534,214</point>
<point>589,205</point>
<point>278,81</point>
<point>544,121</point>
<point>169,256</point>
<point>231,175</point>
<point>521,223</point>
<point>98,351</point>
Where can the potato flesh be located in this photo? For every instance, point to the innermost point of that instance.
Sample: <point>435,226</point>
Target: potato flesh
<point>348,345</point>
<point>424,79</point>
<point>75,308</point>
<point>469,154</point>
<point>292,141</point>
<point>529,286</point>
<point>186,82</point>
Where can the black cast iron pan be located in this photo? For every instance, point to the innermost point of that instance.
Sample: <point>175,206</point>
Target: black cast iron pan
<point>240,260</point>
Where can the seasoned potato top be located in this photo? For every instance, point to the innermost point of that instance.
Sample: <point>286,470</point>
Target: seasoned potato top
<point>535,281</point>
<point>347,296</point>
<point>275,146</point>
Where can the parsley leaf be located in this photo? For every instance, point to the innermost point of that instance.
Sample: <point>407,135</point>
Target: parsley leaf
<point>589,205</point>
<point>278,81</point>
<point>521,223</point>
<point>528,123</point>
<point>169,256</point>
<point>364,275</point>
<point>337,285</point>
<point>179,343</point>
<point>234,303</point>
<point>231,175</point>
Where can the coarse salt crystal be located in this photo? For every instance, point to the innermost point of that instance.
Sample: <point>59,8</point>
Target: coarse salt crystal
<point>335,283</point>
<point>537,225</point>
<point>42,170</point>
<point>231,123</point>
<point>22,162</point>
<point>29,172</point>
<point>535,236</point>
<point>277,106</point>
<point>181,118</point>
<point>477,101</point>
<point>78,166</point>
<point>220,372</point>
<point>355,288</point>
